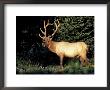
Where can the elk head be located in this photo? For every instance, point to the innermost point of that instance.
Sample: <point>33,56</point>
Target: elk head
<point>48,39</point>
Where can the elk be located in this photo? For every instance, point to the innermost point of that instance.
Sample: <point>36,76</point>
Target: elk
<point>62,48</point>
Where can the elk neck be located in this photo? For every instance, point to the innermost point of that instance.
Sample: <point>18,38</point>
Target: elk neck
<point>51,46</point>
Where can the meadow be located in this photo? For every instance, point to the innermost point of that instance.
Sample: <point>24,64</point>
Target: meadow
<point>71,67</point>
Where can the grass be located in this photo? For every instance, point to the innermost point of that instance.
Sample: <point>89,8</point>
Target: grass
<point>72,67</point>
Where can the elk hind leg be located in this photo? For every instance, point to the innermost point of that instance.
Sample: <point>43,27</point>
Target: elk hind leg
<point>82,61</point>
<point>84,58</point>
<point>86,61</point>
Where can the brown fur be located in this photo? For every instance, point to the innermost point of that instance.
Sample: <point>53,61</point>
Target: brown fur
<point>78,49</point>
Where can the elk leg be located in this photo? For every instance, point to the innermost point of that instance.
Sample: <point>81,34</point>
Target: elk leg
<point>85,58</point>
<point>61,61</point>
<point>86,61</point>
<point>82,61</point>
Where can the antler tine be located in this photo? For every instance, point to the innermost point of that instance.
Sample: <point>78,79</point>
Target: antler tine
<point>57,26</point>
<point>42,31</point>
<point>41,36</point>
<point>45,26</point>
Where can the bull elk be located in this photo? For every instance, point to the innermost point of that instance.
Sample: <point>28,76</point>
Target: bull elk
<point>63,49</point>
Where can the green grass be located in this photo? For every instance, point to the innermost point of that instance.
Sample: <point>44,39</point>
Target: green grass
<point>72,67</point>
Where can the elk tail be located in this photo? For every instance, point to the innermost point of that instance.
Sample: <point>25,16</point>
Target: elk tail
<point>86,47</point>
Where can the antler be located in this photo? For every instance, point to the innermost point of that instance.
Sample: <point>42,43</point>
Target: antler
<point>44,32</point>
<point>57,26</point>
<point>46,25</point>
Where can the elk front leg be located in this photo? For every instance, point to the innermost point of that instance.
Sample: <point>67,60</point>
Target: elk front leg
<point>61,61</point>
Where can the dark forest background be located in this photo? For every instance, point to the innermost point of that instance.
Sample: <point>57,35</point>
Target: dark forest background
<point>33,58</point>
